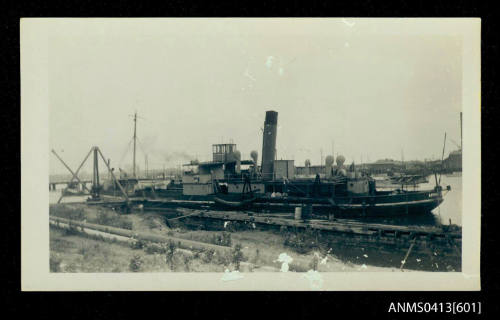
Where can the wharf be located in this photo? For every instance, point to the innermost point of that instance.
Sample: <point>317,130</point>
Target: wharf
<point>200,209</point>
<point>202,214</point>
<point>338,226</point>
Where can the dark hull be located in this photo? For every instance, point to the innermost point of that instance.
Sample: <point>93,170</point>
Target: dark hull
<point>353,210</point>
<point>411,203</point>
<point>379,204</point>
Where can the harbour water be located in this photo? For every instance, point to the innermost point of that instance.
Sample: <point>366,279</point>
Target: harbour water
<point>451,208</point>
<point>54,196</point>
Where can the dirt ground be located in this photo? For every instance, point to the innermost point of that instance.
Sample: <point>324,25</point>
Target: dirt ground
<point>78,252</point>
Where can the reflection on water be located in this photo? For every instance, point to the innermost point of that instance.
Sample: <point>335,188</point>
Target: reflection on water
<point>56,194</point>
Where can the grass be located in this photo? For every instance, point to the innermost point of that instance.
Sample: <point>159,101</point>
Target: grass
<point>113,219</point>
<point>73,251</point>
<point>67,211</point>
<point>96,215</point>
<point>80,253</point>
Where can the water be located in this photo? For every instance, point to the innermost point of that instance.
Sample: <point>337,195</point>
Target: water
<point>451,208</point>
<point>54,196</point>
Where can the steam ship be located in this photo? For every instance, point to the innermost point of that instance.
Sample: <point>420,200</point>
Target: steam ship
<point>335,190</point>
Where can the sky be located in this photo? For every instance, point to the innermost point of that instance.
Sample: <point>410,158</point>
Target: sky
<point>365,89</point>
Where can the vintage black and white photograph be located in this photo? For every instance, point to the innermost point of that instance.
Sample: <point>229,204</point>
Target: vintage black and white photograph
<point>239,149</point>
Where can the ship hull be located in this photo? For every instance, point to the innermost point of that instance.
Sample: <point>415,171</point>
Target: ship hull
<point>390,209</point>
<point>380,204</point>
<point>397,205</point>
<point>410,203</point>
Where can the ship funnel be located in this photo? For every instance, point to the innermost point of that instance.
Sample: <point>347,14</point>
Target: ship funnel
<point>307,164</point>
<point>269,144</point>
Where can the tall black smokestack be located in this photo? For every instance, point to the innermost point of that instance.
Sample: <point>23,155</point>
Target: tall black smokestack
<point>269,145</point>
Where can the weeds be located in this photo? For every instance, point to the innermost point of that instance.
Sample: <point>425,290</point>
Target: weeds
<point>196,254</point>
<point>187,260</point>
<point>71,268</point>
<point>55,263</point>
<point>59,244</point>
<point>71,230</point>
<point>208,255</point>
<point>83,250</point>
<point>170,254</point>
<point>237,256</point>
<point>222,258</point>
<point>152,248</point>
<point>64,211</point>
<point>314,262</point>
<point>302,241</point>
<point>256,257</point>
<point>113,219</point>
<point>138,244</point>
<point>136,263</point>
<point>222,239</point>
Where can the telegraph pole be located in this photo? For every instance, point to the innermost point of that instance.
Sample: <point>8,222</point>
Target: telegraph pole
<point>135,137</point>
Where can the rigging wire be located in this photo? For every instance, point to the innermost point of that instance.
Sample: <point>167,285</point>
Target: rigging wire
<point>125,153</point>
<point>141,146</point>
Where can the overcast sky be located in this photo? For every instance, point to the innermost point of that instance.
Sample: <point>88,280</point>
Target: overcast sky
<point>193,82</point>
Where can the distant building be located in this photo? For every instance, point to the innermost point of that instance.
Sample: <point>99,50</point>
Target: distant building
<point>309,170</point>
<point>454,161</point>
<point>383,166</point>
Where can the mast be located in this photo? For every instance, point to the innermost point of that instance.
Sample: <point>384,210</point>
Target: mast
<point>135,137</point>
<point>403,159</point>
<point>95,177</point>
<point>442,159</point>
